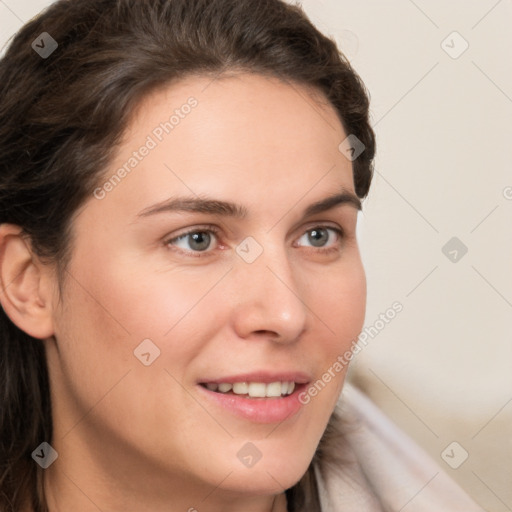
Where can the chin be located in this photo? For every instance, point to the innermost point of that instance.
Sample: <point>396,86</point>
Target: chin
<point>275,470</point>
<point>263,481</point>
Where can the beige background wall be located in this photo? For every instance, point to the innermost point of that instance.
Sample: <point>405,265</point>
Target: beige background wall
<point>441,368</point>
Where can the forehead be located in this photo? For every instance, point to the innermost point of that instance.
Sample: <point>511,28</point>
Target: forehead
<point>242,136</point>
<point>259,110</point>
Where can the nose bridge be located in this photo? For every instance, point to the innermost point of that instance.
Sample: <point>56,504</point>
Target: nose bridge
<point>268,297</point>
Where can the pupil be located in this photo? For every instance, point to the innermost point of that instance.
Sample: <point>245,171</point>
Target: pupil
<point>202,239</point>
<point>317,236</point>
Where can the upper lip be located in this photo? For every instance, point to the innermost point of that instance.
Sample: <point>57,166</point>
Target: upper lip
<point>263,376</point>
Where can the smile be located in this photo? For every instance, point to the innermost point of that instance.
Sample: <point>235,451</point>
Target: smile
<point>260,397</point>
<point>254,389</point>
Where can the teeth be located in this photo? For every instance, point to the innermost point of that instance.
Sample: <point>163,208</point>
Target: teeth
<point>274,389</point>
<point>240,388</point>
<point>254,389</point>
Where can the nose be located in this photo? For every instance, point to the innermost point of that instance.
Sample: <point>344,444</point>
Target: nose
<point>269,300</point>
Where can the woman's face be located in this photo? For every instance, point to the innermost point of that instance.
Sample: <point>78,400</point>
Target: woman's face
<point>200,264</point>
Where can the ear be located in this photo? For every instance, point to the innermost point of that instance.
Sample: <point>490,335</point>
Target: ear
<point>25,284</point>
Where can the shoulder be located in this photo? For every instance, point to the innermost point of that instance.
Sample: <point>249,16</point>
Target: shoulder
<point>366,462</point>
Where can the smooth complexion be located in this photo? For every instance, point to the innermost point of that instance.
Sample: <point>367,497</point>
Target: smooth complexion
<point>132,437</point>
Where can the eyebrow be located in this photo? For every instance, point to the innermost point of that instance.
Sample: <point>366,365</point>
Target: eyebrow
<point>228,209</point>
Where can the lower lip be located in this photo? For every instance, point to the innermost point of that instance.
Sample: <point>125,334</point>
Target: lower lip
<point>259,410</point>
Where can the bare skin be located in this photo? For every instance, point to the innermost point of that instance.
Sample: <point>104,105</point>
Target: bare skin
<point>132,437</point>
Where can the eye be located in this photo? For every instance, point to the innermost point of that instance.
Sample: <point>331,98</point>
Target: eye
<point>320,236</point>
<point>198,240</point>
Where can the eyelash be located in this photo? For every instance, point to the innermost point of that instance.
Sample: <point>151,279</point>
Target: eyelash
<point>216,232</point>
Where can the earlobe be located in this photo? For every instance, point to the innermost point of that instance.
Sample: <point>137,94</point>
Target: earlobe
<point>24,292</point>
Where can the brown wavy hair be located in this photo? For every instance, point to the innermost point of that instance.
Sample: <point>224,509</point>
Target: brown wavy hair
<point>62,116</point>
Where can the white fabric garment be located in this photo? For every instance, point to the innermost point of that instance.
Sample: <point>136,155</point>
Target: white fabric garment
<point>377,467</point>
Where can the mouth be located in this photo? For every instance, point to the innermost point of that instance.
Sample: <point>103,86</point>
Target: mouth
<point>260,398</point>
<point>275,389</point>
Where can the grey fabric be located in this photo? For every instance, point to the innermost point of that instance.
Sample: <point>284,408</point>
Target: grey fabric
<point>373,466</point>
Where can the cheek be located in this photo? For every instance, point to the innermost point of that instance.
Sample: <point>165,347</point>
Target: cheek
<point>340,306</point>
<point>340,302</point>
<point>139,301</point>
<point>98,329</point>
